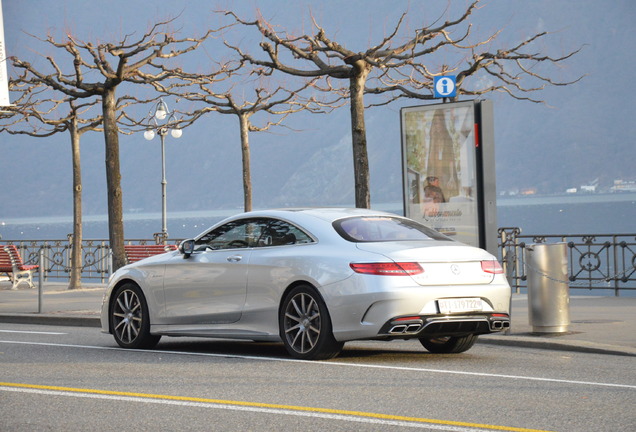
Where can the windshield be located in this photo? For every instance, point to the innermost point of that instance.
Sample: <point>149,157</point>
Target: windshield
<point>384,228</point>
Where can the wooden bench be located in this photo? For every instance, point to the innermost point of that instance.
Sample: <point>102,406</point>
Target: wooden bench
<point>11,263</point>
<point>136,253</point>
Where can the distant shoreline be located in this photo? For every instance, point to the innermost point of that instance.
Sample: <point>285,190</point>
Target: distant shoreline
<point>578,198</point>
<point>502,201</point>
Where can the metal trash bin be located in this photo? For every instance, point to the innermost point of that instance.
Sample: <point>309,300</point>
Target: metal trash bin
<point>548,287</point>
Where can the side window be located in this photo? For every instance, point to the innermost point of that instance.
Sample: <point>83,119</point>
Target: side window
<point>238,234</point>
<point>280,233</point>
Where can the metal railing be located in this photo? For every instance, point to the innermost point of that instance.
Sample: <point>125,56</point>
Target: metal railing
<point>596,261</point>
<point>54,257</point>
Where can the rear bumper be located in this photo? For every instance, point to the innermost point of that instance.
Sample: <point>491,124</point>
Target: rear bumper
<point>444,325</point>
<point>365,311</point>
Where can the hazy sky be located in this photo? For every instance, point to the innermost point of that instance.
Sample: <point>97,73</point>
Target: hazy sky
<point>534,142</point>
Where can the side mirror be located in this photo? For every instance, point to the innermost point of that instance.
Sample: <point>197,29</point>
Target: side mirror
<point>186,247</point>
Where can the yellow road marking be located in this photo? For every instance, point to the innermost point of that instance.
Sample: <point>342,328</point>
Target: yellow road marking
<point>270,406</point>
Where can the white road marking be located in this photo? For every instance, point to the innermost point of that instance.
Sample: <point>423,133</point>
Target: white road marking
<point>331,363</point>
<point>359,417</point>
<point>31,332</point>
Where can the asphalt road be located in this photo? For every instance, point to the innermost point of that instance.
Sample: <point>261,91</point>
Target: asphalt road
<point>72,378</point>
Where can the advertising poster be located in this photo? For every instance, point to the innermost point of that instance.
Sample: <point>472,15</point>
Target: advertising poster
<point>440,168</point>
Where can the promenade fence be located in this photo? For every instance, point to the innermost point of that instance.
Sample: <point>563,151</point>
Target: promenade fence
<point>596,261</point>
<point>54,257</point>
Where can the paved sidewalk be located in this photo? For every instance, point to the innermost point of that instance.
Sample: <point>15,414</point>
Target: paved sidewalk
<point>598,324</point>
<point>58,306</point>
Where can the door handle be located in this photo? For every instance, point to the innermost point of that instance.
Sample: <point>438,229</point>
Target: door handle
<point>234,258</point>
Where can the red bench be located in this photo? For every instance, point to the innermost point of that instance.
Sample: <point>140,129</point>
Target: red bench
<point>11,263</point>
<point>136,253</point>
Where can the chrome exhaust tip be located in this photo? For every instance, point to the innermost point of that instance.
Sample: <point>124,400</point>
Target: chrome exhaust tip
<point>398,329</point>
<point>499,325</point>
<point>405,328</point>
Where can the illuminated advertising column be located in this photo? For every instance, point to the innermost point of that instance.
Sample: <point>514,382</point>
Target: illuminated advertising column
<point>448,168</point>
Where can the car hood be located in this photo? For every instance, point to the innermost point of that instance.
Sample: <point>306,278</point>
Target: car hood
<point>449,264</point>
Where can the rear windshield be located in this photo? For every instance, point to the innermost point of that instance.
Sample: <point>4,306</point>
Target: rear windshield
<point>384,228</point>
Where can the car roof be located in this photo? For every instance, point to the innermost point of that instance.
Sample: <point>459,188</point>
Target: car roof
<point>314,219</point>
<point>328,214</point>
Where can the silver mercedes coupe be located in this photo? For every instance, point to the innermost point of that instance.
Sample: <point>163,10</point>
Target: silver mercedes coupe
<point>313,279</point>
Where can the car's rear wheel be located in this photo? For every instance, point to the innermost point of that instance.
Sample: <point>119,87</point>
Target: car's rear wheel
<point>129,318</point>
<point>305,326</point>
<point>449,344</point>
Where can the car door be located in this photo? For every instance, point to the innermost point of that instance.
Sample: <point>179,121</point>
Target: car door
<point>210,286</point>
<point>275,263</point>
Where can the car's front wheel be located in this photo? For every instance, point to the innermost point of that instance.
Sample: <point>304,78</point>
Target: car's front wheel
<point>129,318</point>
<point>449,344</point>
<point>305,326</point>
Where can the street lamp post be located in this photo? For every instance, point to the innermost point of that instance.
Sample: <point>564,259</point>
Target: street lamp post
<point>161,111</point>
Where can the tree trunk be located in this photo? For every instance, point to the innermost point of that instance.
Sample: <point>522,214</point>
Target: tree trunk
<point>113,180</point>
<point>76,244</point>
<point>359,135</point>
<point>245,153</point>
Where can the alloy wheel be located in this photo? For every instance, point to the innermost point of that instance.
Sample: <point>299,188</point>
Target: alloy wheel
<point>127,316</point>
<point>302,323</point>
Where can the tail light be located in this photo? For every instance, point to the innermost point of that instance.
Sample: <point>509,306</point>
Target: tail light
<point>388,269</point>
<point>491,266</point>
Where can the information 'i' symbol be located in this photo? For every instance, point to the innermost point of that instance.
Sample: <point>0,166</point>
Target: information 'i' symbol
<point>445,86</point>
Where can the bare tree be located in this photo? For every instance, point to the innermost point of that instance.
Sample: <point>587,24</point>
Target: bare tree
<point>96,71</point>
<point>41,118</point>
<point>278,104</point>
<point>395,67</point>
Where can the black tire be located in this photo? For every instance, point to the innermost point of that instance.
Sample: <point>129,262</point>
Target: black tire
<point>305,325</point>
<point>129,318</point>
<point>449,344</point>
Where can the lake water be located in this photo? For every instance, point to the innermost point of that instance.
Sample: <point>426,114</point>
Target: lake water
<point>569,215</point>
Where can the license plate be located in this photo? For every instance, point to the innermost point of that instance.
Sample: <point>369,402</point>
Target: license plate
<point>459,305</point>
